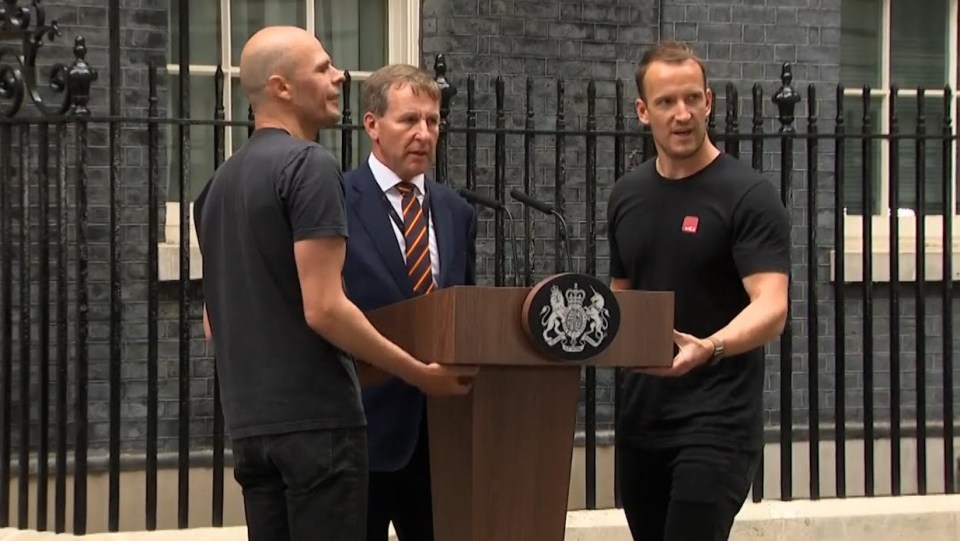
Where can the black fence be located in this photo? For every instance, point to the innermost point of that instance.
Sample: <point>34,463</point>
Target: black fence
<point>52,237</point>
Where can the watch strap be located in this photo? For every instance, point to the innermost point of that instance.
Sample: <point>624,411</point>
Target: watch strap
<point>718,351</point>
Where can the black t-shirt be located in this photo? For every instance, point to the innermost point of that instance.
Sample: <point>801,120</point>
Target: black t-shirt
<point>276,374</point>
<point>697,237</point>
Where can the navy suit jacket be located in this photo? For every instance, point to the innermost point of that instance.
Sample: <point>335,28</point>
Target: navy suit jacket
<point>375,275</point>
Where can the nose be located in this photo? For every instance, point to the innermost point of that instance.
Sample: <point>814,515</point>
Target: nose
<point>683,112</point>
<point>423,130</point>
<point>339,76</point>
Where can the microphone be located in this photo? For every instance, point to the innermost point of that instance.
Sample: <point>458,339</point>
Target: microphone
<point>475,197</point>
<point>547,209</point>
<point>498,206</point>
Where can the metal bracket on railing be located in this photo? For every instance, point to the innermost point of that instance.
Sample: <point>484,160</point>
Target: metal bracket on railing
<point>22,78</point>
<point>786,99</point>
<point>80,77</point>
<point>447,91</point>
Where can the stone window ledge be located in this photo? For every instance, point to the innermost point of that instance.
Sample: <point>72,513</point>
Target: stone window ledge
<point>168,251</point>
<point>907,259</point>
<point>853,248</point>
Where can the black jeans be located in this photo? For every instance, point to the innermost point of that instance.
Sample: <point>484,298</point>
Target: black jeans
<point>683,494</point>
<point>304,485</point>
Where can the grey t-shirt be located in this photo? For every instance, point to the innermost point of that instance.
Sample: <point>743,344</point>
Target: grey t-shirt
<point>276,374</point>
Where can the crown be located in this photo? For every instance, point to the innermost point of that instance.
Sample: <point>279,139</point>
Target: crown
<point>575,295</point>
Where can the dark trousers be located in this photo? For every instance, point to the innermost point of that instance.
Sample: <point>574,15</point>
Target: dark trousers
<point>683,494</point>
<point>403,497</point>
<point>304,485</point>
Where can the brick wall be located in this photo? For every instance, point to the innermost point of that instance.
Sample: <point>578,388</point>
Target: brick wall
<point>143,39</point>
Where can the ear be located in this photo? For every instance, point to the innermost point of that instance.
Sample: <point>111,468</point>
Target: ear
<point>709,95</point>
<point>642,112</point>
<point>370,125</point>
<point>277,86</point>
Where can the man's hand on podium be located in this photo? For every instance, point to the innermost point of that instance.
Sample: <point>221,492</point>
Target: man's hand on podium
<point>437,379</point>
<point>445,380</point>
<point>693,353</point>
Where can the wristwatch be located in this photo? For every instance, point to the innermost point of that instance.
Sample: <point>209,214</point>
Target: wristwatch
<point>717,351</point>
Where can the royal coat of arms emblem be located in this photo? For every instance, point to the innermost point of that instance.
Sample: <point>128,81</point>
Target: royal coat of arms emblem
<point>566,321</point>
<point>572,316</point>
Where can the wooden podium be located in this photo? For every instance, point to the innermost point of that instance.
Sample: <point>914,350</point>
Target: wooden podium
<point>501,456</point>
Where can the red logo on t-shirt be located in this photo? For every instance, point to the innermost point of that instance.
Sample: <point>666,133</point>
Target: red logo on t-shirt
<point>690,224</point>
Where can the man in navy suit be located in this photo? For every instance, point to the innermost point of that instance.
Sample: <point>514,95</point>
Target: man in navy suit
<point>408,236</point>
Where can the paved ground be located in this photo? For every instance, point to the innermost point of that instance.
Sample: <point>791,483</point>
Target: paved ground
<point>927,518</point>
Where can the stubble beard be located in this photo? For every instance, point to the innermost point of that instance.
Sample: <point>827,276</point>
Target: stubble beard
<point>700,137</point>
<point>327,119</point>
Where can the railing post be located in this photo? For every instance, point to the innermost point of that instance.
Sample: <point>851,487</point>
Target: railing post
<point>80,77</point>
<point>786,100</point>
<point>813,328</point>
<point>756,150</point>
<point>346,118</point>
<point>839,301</point>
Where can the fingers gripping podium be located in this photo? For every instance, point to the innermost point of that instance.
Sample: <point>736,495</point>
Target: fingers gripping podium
<point>501,456</point>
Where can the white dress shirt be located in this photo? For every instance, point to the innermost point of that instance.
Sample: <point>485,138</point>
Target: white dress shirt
<point>388,180</point>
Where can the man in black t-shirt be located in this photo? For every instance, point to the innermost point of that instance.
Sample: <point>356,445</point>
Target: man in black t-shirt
<point>714,232</point>
<point>272,229</point>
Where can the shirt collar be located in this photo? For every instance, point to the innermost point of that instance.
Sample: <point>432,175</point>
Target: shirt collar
<point>387,179</point>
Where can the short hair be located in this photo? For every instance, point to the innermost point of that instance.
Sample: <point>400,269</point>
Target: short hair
<point>376,88</point>
<point>668,52</point>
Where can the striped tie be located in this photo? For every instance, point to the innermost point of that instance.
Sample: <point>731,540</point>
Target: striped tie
<point>417,241</point>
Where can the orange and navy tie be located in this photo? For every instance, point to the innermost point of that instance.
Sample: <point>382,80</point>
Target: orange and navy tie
<point>417,240</point>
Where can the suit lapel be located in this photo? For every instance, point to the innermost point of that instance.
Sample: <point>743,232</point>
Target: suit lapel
<point>443,229</point>
<point>376,221</point>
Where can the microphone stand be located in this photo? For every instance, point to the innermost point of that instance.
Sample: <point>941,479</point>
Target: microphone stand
<point>497,206</point>
<point>547,209</point>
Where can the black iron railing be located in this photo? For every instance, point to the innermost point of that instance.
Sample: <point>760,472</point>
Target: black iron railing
<point>62,221</point>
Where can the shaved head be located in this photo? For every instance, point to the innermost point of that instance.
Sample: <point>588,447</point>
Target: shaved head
<point>272,51</point>
<point>290,81</point>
